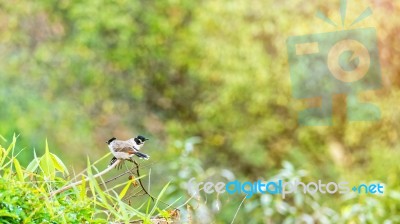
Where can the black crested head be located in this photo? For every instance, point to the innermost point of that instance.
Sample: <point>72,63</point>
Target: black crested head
<point>111,140</point>
<point>140,139</point>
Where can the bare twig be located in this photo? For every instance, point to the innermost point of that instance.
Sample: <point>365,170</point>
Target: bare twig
<point>80,182</point>
<point>140,181</point>
<point>174,217</point>
<point>116,177</point>
<point>142,186</point>
<point>149,180</point>
<point>84,170</point>
<point>237,211</point>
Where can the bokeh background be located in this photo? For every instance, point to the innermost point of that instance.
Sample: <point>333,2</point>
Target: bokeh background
<point>208,82</point>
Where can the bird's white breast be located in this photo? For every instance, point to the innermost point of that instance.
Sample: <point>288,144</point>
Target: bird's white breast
<point>122,155</point>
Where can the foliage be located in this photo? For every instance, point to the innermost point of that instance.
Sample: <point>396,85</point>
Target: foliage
<point>22,203</point>
<point>25,194</point>
<point>79,72</point>
<point>296,207</point>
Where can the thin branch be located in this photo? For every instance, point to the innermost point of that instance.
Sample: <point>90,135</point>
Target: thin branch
<point>237,211</point>
<point>142,186</point>
<point>83,171</point>
<point>149,180</point>
<point>116,177</point>
<point>140,181</point>
<point>191,197</point>
<point>80,182</point>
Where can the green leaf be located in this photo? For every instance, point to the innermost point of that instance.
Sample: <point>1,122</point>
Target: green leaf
<point>18,169</point>
<point>2,150</point>
<point>59,165</point>
<point>47,165</point>
<point>158,198</point>
<point>94,185</point>
<point>164,214</point>
<point>10,147</point>
<point>7,214</point>
<point>83,188</point>
<point>148,206</point>
<point>123,192</point>
<point>47,148</point>
<point>33,165</point>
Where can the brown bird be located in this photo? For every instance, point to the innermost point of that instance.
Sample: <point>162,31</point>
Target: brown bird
<point>126,149</point>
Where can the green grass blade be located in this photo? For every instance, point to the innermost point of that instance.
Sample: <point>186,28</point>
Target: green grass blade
<point>58,164</point>
<point>18,169</point>
<point>83,189</point>
<point>125,189</point>
<point>158,199</point>
<point>9,149</point>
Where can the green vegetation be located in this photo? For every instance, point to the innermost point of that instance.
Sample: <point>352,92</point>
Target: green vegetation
<point>25,194</point>
<point>208,82</point>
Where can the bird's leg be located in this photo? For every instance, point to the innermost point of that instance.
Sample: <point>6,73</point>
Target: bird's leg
<point>120,165</point>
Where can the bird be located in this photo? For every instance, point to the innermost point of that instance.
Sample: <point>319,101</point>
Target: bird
<point>126,149</point>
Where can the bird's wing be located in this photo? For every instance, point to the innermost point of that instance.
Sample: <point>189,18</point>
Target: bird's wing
<point>121,146</point>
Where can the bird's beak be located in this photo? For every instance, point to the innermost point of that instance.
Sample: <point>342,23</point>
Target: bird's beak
<point>146,139</point>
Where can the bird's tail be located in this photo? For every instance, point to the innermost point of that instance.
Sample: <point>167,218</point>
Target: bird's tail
<point>142,155</point>
<point>113,160</point>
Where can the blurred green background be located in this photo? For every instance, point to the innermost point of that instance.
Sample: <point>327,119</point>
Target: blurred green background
<point>208,82</point>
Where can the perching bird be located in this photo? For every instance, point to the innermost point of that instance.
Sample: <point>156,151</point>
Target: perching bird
<point>126,149</point>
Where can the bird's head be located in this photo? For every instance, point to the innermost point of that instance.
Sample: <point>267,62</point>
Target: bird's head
<point>111,140</point>
<point>140,139</point>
